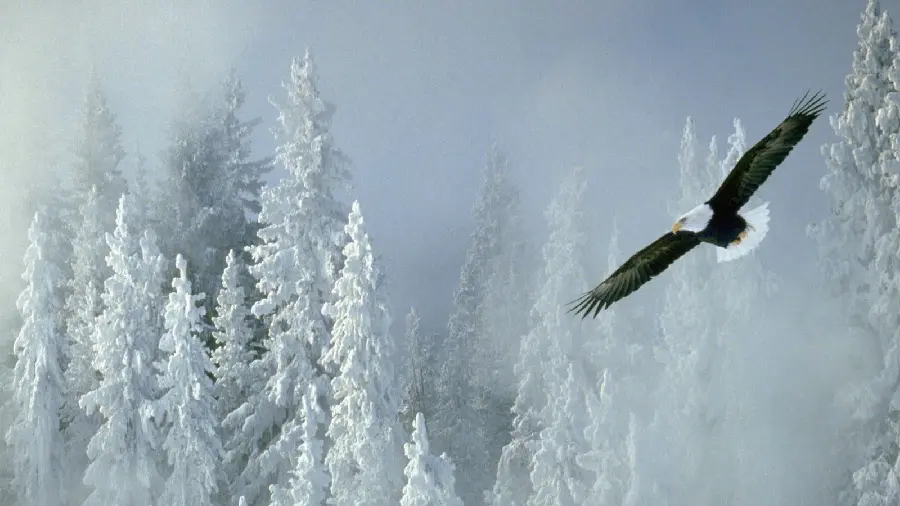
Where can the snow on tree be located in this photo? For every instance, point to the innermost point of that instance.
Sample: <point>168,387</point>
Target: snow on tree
<point>233,356</point>
<point>233,353</point>
<point>420,377</point>
<point>690,337</point>
<point>623,368</point>
<point>308,485</point>
<point>554,336</point>
<point>365,459</point>
<point>295,268</point>
<point>304,202</point>
<point>858,245</point>
<point>473,352</point>
<point>34,436</point>
<point>211,188</point>
<point>557,477</point>
<point>240,192</point>
<point>860,210</point>
<point>99,154</point>
<point>703,323</point>
<point>82,308</point>
<point>192,441</point>
<point>429,479</point>
<point>124,462</point>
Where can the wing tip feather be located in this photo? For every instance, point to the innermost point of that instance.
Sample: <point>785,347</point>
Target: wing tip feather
<point>809,106</point>
<point>583,305</point>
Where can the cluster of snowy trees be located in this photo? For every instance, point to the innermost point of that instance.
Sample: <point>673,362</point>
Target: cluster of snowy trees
<point>205,339</point>
<point>202,338</point>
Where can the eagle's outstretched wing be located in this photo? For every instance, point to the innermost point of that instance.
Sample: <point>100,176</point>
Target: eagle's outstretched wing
<point>752,170</point>
<point>639,269</point>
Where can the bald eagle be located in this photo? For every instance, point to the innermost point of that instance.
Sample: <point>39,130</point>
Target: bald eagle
<point>719,220</point>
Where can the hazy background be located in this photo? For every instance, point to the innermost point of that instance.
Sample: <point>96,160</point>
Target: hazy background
<point>422,88</point>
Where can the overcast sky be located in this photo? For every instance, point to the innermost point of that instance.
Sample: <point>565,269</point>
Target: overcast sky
<point>422,88</point>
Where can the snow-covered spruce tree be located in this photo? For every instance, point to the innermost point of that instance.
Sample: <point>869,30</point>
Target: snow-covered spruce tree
<point>124,461</point>
<point>557,477</point>
<point>308,485</point>
<point>233,358</point>
<point>858,245</point>
<point>34,436</point>
<point>192,443</point>
<point>465,426</point>
<point>420,377</point>
<point>619,371</point>
<point>553,335</point>
<point>211,186</point>
<point>429,479</point>
<point>295,267</point>
<point>82,308</point>
<point>240,192</point>
<point>98,155</point>
<point>502,318</point>
<point>365,461</point>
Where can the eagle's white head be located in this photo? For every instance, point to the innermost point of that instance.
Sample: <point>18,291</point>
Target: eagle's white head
<point>694,220</point>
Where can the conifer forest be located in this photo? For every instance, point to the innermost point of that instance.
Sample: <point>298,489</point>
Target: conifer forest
<point>215,322</point>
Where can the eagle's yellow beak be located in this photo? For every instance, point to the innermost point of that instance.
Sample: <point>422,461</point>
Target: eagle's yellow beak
<point>676,227</point>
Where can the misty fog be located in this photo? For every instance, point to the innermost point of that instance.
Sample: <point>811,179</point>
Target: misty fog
<point>484,143</point>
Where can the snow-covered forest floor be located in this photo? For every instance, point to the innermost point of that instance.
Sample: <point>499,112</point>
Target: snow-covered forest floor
<point>189,335</point>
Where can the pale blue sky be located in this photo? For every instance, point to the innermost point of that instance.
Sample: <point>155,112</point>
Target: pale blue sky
<point>421,88</point>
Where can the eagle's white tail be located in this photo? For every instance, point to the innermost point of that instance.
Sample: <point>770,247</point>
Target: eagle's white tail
<point>758,225</point>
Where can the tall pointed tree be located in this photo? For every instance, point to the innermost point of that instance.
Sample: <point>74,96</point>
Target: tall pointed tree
<point>553,335</point>
<point>308,485</point>
<point>858,245</point>
<point>464,426</point>
<point>99,154</point>
<point>124,463</point>
<point>295,267</point>
<point>429,479</point>
<point>212,186</point>
<point>192,443</point>
<point>365,459</point>
<point>82,307</point>
<point>420,374</point>
<point>233,357</point>
<point>35,432</point>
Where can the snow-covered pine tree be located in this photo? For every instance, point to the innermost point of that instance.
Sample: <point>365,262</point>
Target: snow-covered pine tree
<point>860,206</point>
<point>233,358</point>
<point>620,369</point>
<point>557,477</point>
<point>502,318</point>
<point>858,245</point>
<point>124,461</point>
<point>241,185</point>
<point>553,335</point>
<point>295,267</point>
<point>420,377</point>
<point>429,479</point>
<point>211,189</point>
<point>98,155</point>
<point>192,442</point>
<point>365,461</point>
<point>308,485</point>
<point>34,436</point>
<point>82,308</point>
<point>464,425</point>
